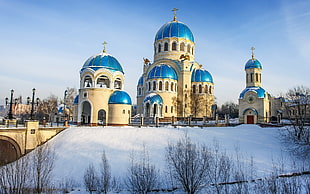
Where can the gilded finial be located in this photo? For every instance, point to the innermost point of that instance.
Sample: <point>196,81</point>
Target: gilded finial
<point>252,48</point>
<point>104,46</point>
<point>175,14</point>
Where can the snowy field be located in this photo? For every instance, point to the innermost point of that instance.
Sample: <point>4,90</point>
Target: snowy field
<point>77,147</point>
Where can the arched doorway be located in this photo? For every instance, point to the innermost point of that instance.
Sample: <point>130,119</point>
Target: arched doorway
<point>86,113</point>
<point>102,117</point>
<point>9,150</point>
<point>155,110</point>
<point>147,109</point>
<point>250,116</point>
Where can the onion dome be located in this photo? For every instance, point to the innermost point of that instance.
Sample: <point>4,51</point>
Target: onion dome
<point>253,63</point>
<point>261,93</point>
<point>162,71</point>
<point>201,75</point>
<point>174,29</point>
<point>103,60</point>
<point>141,81</point>
<point>76,100</point>
<point>120,97</point>
<point>153,98</point>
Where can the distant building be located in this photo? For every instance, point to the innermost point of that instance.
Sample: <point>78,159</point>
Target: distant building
<point>174,84</point>
<point>256,105</point>
<point>101,99</point>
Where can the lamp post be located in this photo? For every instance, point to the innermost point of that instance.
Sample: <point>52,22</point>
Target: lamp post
<point>65,114</point>
<point>32,103</point>
<point>10,114</point>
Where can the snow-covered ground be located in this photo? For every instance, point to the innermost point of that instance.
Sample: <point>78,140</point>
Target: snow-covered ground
<point>77,147</point>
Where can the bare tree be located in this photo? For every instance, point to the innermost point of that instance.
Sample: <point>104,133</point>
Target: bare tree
<point>42,165</point>
<point>298,112</point>
<point>48,107</point>
<point>91,180</point>
<point>188,164</point>
<point>197,104</point>
<point>142,175</point>
<point>14,177</point>
<point>105,173</point>
<point>220,169</point>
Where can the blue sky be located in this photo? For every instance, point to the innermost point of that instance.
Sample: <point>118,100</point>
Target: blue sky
<point>44,44</point>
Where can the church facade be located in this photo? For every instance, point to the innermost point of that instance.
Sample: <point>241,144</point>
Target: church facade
<point>102,99</point>
<point>174,84</point>
<point>256,105</point>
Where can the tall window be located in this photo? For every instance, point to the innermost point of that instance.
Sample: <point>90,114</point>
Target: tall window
<point>103,82</point>
<point>171,109</point>
<point>166,46</point>
<point>171,86</point>
<point>206,89</point>
<point>194,89</point>
<point>159,48</point>
<point>149,86</point>
<point>160,86</point>
<point>200,88</point>
<point>87,81</point>
<point>174,46</point>
<point>154,85</point>
<point>182,46</point>
<point>189,48</point>
<point>166,86</point>
<point>118,83</point>
<point>256,77</point>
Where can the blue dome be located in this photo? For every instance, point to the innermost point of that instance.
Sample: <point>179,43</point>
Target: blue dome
<point>76,100</point>
<point>259,90</point>
<point>120,97</point>
<point>253,63</point>
<point>201,75</point>
<point>162,71</point>
<point>153,98</point>
<point>141,81</point>
<point>174,29</point>
<point>103,60</point>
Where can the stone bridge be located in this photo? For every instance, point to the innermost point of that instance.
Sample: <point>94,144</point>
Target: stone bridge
<point>15,142</point>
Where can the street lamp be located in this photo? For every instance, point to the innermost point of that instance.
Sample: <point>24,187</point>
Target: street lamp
<point>65,114</point>
<point>32,103</point>
<point>10,114</point>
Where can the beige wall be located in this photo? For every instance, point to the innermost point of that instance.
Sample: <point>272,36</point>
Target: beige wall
<point>119,114</point>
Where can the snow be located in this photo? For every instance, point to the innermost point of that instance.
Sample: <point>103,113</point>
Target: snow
<point>77,147</point>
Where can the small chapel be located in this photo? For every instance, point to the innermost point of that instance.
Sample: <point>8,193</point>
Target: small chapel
<point>102,99</point>
<point>174,84</point>
<point>255,104</point>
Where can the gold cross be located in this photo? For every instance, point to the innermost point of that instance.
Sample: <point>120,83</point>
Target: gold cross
<point>104,46</point>
<point>252,48</point>
<point>175,14</point>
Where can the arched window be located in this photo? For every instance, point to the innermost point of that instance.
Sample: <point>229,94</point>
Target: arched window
<point>185,96</point>
<point>200,89</point>
<point>192,50</point>
<point>206,89</point>
<point>256,77</point>
<point>251,77</point>
<point>174,46</point>
<point>189,48</point>
<point>171,109</point>
<point>182,46</point>
<point>166,46</point>
<point>160,86</point>
<point>103,82</point>
<point>166,86</point>
<point>87,81</point>
<point>149,86</point>
<point>185,85</point>
<point>171,86</point>
<point>166,109</point>
<point>154,85</point>
<point>159,48</point>
<point>260,77</point>
<point>118,83</point>
<point>194,89</point>
<point>210,90</point>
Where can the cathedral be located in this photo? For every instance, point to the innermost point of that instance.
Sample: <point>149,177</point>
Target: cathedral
<point>174,84</point>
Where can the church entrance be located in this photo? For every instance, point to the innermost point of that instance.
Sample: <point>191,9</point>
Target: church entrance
<point>250,119</point>
<point>86,113</point>
<point>102,117</point>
